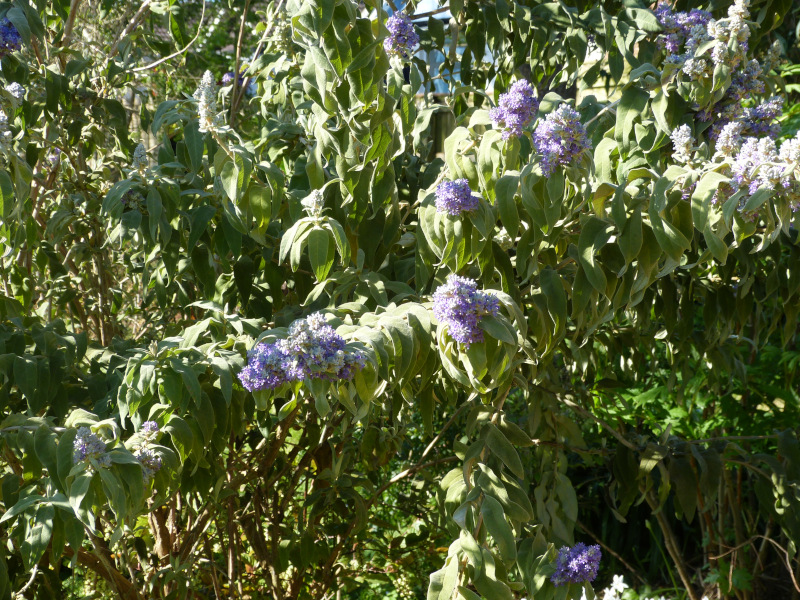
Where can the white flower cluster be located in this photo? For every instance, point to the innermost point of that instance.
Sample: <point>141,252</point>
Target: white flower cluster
<point>313,204</point>
<point>206,96</point>
<point>139,158</point>
<point>17,94</point>
<point>403,587</point>
<point>5,133</point>
<point>682,142</point>
<point>731,35</point>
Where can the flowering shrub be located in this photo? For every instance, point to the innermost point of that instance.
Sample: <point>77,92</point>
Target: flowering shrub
<point>286,341</point>
<point>312,350</point>
<point>577,564</point>
<point>455,197</point>
<point>402,38</point>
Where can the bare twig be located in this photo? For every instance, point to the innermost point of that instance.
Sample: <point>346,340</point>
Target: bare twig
<point>237,62</point>
<point>182,50</point>
<point>134,23</point>
<point>25,587</point>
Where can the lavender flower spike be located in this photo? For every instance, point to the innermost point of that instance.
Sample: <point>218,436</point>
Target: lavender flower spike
<point>455,197</point>
<point>150,461</point>
<point>312,350</point>
<point>10,39</point>
<point>576,565</point>
<point>88,445</point>
<point>515,109</point>
<point>206,96</point>
<point>402,38</point>
<point>460,305</point>
<point>560,138</point>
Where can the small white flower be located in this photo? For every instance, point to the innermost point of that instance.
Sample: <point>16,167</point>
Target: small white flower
<point>206,96</point>
<point>313,204</point>
<point>682,142</point>
<point>139,158</point>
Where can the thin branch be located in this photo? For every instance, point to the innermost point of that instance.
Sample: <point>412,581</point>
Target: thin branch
<point>447,425</point>
<point>410,471</point>
<point>578,408</point>
<point>602,110</point>
<point>135,22</point>
<point>73,12</point>
<point>179,52</point>
<point>611,551</point>
<point>25,587</point>
<point>237,62</point>
<point>429,14</point>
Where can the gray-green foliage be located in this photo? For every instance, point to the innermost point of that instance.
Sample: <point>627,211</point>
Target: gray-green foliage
<point>133,295</point>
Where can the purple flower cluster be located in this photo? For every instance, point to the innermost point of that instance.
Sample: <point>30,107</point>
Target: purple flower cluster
<point>455,197</point>
<point>560,138</point>
<point>150,461</point>
<point>756,165</point>
<point>681,29</point>
<point>149,429</point>
<point>402,38</point>
<point>515,109</point>
<point>251,89</point>
<point>312,350</point>
<point>460,305</point>
<point>10,39</point>
<point>577,564</point>
<point>759,164</point>
<point>88,445</point>
<point>730,35</point>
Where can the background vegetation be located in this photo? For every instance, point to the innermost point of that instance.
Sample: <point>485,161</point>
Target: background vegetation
<point>638,390</point>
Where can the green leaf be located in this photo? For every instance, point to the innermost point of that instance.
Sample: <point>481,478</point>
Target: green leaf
<point>38,535</point>
<point>702,195</point>
<point>321,252</point>
<point>594,235</point>
<point>498,527</point>
<point>505,192</point>
<point>443,582</point>
<point>201,216</point>
<point>7,198</point>
<point>189,377</point>
<point>502,448</point>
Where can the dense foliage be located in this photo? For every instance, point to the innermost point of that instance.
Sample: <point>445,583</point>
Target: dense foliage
<point>319,298</point>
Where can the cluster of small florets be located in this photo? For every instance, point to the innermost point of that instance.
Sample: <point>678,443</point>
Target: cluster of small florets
<point>16,93</point>
<point>560,138</point>
<point>578,564</point>
<point>730,138</point>
<point>10,39</point>
<point>455,197</point>
<point>250,90</point>
<point>515,109</point>
<point>402,38</point>
<point>757,163</point>
<point>88,445</point>
<point>150,461</point>
<point>139,158</point>
<point>682,143</point>
<point>206,96</point>
<point>312,350</point>
<point>403,587</point>
<point>314,204</point>
<point>147,457</point>
<point>684,32</point>
<point>730,35</point>
<point>54,157</point>
<point>5,133</point>
<point>460,305</point>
